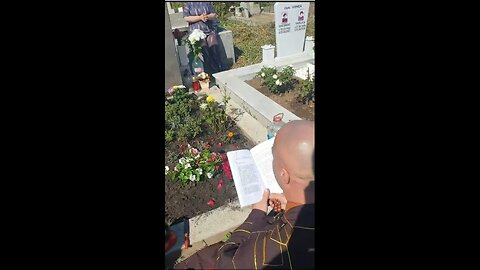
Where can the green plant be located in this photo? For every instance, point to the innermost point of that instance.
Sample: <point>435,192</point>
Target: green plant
<point>223,8</point>
<point>169,135</point>
<point>197,164</point>
<point>191,127</point>
<point>307,89</point>
<point>277,82</point>
<point>181,121</point>
<point>214,115</point>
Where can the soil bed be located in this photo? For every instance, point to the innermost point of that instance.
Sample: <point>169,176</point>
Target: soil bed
<point>287,100</point>
<point>192,199</point>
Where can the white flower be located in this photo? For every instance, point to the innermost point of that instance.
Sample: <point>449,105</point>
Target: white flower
<point>290,66</point>
<point>199,170</point>
<point>209,175</point>
<point>196,35</point>
<point>175,169</point>
<point>263,74</point>
<point>182,160</point>
<point>275,76</point>
<point>197,156</point>
<point>278,82</point>
<point>192,177</point>
<point>166,170</point>
<point>203,106</point>
<point>187,165</point>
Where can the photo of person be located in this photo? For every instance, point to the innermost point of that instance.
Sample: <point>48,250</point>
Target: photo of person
<point>284,17</point>
<point>300,16</point>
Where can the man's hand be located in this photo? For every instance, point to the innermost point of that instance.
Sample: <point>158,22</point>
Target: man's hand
<point>262,205</point>
<point>277,196</point>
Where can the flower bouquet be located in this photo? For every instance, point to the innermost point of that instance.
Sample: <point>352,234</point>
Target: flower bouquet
<point>204,80</point>
<point>195,45</point>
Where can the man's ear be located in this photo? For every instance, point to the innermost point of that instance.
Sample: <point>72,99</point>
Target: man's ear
<point>285,176</point>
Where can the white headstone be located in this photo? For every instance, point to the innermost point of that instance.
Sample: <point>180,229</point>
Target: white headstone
<point>290,27</point>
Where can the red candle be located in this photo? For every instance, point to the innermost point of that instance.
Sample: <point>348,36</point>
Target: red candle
<point>196,86</point>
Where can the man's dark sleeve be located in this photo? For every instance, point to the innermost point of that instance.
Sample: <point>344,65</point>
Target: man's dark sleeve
<point>238,250</point>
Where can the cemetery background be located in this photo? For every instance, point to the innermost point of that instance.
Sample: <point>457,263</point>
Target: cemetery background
<point>248,39</point>
<point>189,201</point>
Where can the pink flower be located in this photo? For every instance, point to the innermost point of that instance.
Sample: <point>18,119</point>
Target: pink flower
<point>211,203</point>
<point>219,144</point>
<point>217,168</point>
<point>194,151</point>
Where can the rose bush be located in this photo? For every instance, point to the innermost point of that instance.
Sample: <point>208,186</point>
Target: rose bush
<point>277,81</point>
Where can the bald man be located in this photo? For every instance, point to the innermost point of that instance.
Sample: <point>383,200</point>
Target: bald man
<point>286,241</point>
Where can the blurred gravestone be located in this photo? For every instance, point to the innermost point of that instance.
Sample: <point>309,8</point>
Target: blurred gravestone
<point>290,27</point>
<point>172,68</point>
<point>254,8</point>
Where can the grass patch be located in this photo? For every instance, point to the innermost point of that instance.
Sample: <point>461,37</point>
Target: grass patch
<point>248,39</point>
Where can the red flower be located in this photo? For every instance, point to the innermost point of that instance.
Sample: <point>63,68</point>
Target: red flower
<point>211,203</point>
<point>219,144</point>
<point>219,186</point>
<point>217,168</point>
<point>226,169</point>
<point>224,156</point>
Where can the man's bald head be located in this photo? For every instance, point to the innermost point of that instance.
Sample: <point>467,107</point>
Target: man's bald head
<point>294,147</point>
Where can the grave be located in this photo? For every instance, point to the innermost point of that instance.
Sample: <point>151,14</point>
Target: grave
<point>293,48</point>
<point>250,13</point>
<point>172,67</point>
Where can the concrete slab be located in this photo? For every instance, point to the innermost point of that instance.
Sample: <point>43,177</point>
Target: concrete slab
<point>178,22</point>
<point>251,127</point>
<point>218,220</point>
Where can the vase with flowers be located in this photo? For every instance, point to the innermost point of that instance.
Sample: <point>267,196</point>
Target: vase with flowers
<point>204,80</point>
<point>195,45</point>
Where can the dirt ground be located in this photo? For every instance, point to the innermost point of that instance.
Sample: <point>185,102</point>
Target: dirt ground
<point>287,100</point>
<point>191,200</point>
